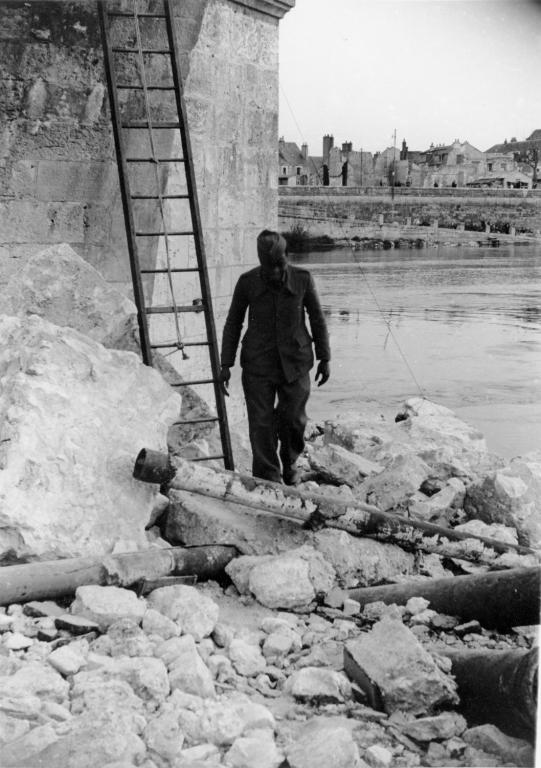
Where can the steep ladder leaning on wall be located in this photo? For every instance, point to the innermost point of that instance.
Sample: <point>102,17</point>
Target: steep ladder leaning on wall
<point>162,233</point>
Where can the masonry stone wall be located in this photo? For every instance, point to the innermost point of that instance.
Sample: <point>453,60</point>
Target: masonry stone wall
<point>58,174</point>
<point>472,209</point>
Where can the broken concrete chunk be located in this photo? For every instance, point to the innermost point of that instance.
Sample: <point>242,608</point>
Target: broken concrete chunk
<point>395,671</point>
<point>441,507</point>
<point>194,611</point>
<point>255,750</point>
<point>77,625</point>
<point>155,623</point>
<point>246,657</point>
<point>45,608</point>
<point>333,462</point>
<point>66,660</point>
<point>72,411</point>
<point>490,739</point>
<point>378,757</point>
<point>163,736</point>
<point>325,742</point>
<point>438,727</point>
<point>187,670</point>
<point>35,679</point>
<point>510,496</point>
<point>27,749</point>
<point>392,488</point>
<point>495,531</point>
<point>106,605</point>
<point>318,685</point>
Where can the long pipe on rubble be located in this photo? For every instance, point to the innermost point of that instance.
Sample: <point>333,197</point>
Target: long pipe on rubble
<point>497,599</point>
<point>314,509</point>
<point>51,579</point>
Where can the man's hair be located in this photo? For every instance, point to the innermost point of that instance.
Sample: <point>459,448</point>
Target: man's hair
<point>271,246</point>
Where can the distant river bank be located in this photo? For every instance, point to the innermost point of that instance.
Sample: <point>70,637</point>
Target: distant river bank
<point>468,325</point>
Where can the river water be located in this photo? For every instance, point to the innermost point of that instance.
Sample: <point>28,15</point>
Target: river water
<point>460,325</point>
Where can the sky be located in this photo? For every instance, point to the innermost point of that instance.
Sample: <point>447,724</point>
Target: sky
<point>433,70</point>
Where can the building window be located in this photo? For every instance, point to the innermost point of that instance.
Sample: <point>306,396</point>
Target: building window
<point>298,170</point>
<point>284,170</point>
<point>490,166</point>
<point>459,159</point>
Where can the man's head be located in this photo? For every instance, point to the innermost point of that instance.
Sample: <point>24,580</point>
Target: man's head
<point>272,255</point>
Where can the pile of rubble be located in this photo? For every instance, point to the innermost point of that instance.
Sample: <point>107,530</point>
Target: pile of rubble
<point>277,663</point>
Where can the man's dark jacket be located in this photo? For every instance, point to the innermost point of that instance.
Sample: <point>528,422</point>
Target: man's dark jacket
<point>276,325</point>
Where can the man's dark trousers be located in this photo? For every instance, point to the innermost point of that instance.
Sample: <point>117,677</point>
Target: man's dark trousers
<point>276,412</point>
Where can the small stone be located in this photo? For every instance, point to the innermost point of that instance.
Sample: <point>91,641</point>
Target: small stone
<point>443,621</point>
<point>66,660</point>
<point>12,728</point>
<point>378,757</point>
<point>163,736</point>
<point>47,635</point>
<point>155,623</point>
<point>255,750</point>
<point>326,744</point>
<point>437,728</point>
<point>26,749</point>
<point>336,597</point>
<point>416,605</point>
<point>56,712</point>
<point>45,608</point>
<point>220,668</point>
<point>17,642</point>
<point>77,625</point>
<point>318,685</point>
<point>351,607</point>
<point>200,753</point>
<point>222,635</point>
<point>194,611</point>
<point>469,628</point>
<point>128,639</point>
<point>378,609</point>
<point>246,658</point>
<point>423,617</point>
<point>6,622</point>
<point>277,645</point>
<point>187,670</point>
<point>105,605</point>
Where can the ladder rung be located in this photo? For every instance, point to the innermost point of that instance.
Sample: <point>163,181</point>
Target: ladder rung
<point>145,124</point>
<point>172,344</point>
<point>162,197</point>
<point>154,159</point>
<point>195,421</point>
<point>208,458</point>
<point>166,271</point>
<point>171,310</point>
<point>193,383</point>
<point>161,51</point>
<point>164,234</point>
<point>127,87</point>
<point>142,14</point>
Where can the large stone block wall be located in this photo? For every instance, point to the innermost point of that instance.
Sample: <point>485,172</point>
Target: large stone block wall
<point>58,174</point>
<point>449,208</point>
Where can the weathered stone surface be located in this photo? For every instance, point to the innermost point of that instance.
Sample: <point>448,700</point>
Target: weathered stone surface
<point>324,742</point>
<point>438,727</point>
<point>291,580</point>
<point>360,561</point>
<point>378,757</point>
<point>405,675</point>
<point>77,625</point>
<point>278,644</point>
<point>35,679</point>
<point>27,750</point>
<point>511,496</point>
<point>163,736</point>
<point>318,685</point>
<point>246,657</point>
<point>219,722</point>
<point>440,507</point>
<point>106,605</point>
<point>392,488</point>
<point>73,411</point>
<point>45,608</point>
<point>196,613</point>
<point>60,286</point>
<point>66,660</point>
<point>155,623</point>
<point>490,739</point>
<point>193,520</point>
<point>343,465</point>
<point>495,531</point>
<point>16,641</point>
<point>126,638</point>
<point>187,670</point>
<point>257,750</point>
<point>12,728</point>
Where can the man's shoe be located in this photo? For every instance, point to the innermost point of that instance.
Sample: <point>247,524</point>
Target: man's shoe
<point>291,477</point>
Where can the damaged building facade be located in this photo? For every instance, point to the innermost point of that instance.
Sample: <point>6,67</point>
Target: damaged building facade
<point>58,172</point>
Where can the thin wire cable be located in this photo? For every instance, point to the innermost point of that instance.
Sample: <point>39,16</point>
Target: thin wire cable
<point>298,128</point>
<point>389,327</point>
<point>157,166</point>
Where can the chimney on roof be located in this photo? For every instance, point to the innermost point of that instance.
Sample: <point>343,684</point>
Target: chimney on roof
<point>304,151</point>
<point>328,144</point>
<point>347,146</point>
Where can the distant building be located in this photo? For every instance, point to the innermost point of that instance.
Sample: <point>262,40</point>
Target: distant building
<point>292,163</point>
<point>526,154</point>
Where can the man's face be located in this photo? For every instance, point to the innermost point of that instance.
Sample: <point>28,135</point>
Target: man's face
<point>273,270</point>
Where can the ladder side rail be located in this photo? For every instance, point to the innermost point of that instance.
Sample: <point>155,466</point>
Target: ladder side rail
<point>137,282</point>
<point>199,246</point>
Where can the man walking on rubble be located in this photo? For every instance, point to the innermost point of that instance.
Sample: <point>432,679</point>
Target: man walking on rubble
<point>276,355</point>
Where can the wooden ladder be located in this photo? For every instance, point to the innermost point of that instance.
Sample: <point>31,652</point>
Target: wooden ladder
<point>138,59</point>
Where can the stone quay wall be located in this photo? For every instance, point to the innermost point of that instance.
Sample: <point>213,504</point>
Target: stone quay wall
<point>58,173</point>
<point>348,211</point>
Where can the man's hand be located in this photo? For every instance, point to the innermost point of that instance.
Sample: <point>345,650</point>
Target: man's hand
<point>323,372</point>
<point>225,375</point>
